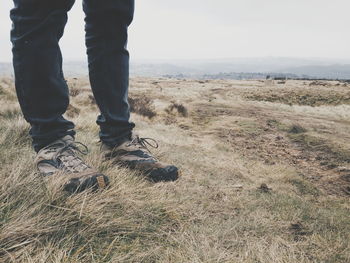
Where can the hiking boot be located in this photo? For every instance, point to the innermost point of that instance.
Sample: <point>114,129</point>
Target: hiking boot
<point>60,159</point>
<point>134,154</point>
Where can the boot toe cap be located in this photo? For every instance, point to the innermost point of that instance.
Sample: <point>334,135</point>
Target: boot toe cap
<point>167,173</point>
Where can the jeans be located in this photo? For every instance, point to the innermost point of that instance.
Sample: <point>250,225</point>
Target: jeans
<point>41,88</point>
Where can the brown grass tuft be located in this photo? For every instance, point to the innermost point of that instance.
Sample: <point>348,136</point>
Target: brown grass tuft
<point>72,111</point>
<point>92,99</point>
<point>74,91</point>
<point>297,129</point>
<point>179,108</point>
<point>143,106</point>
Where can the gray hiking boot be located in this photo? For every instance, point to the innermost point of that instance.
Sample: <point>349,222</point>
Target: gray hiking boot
<point>135,154</point>
<point>60,159</point>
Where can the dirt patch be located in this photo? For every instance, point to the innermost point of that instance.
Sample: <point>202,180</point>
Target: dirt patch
<point>202,114</point>
<point>320,165</point>
<point>331,155</point>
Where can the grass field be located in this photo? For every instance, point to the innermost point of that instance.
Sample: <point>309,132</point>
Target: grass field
<point>265,177</point>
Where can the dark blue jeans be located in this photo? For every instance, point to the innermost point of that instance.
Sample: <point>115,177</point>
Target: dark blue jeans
<point>41,88</point>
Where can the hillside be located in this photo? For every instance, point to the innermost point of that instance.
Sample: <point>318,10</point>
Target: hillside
<point>265,177</point>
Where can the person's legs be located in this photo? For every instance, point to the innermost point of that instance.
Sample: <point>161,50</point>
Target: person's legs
<point>41,89</point>
<point>106,28</point>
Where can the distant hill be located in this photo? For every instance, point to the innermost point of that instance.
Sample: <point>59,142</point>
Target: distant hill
<point>330,71</point>
<point>75,68</point>
<point>231,68</point>
<point>6,69</point>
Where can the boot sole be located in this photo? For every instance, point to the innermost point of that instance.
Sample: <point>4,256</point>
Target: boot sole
<point>167,174</point>
<point>95,182</point>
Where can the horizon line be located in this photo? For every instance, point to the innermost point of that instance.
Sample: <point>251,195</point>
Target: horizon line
<point>210,59</point>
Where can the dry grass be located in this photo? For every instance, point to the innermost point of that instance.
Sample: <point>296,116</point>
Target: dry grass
<point>311,94</point>
<point>261,182</point>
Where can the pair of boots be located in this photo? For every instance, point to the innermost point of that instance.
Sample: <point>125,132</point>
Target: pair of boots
<point>61,158</point>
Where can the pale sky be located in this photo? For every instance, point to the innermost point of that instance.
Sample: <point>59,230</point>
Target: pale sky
<point>204,29</point>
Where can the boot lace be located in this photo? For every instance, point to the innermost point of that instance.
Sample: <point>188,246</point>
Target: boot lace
<point>66,156</point>
<point>143,143</point>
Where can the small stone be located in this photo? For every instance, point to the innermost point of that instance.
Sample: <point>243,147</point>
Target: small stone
<point>264,188</point>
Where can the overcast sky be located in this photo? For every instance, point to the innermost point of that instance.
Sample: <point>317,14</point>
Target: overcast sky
<point>192,29</point>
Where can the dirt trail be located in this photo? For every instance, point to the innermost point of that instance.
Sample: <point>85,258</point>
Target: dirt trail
<point>222,111</point>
